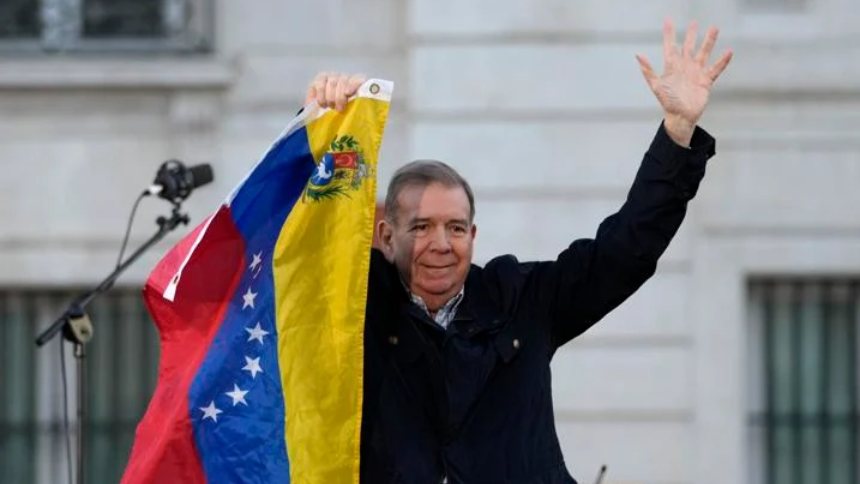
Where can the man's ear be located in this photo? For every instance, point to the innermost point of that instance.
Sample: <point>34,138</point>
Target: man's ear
<point>384,235</point>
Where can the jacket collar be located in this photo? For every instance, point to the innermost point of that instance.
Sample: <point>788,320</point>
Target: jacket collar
<point>479,311</point>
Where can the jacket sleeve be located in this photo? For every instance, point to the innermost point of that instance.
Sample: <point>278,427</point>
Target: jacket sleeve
<point>593,276</point>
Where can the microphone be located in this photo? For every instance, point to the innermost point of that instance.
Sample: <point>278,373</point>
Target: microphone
<point>175,182</point>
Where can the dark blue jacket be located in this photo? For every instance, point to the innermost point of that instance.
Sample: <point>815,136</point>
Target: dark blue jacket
<point>473,404</point>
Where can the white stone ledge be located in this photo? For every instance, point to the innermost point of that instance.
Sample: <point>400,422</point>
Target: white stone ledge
<point>72,267</point>
<point>802,142</point>
<point>556,79</point>
<point>557,16</point>
<point>617,416</point>
<point>540,159</point>
<point>793,69</point>
<point>528,77</point>
<point>310,25</point>
<point>80,73</point>
<point>753,230</point>
<point>548,193</point>
<point>635,337</point>
<point>538,37</point>
<point>493,114</point>
<point>276,79</point>
<point>768,123</point>
<point>769,255</point>
<point>782,192</point>
<point>540,229</point>
<point>623,379</point>
<point>635,452</point>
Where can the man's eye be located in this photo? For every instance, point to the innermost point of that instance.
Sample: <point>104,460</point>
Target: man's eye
<point>419,227</point>
<point>458,229</point>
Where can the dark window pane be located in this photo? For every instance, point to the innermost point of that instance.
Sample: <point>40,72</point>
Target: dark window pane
<point>123,18</point>
<point>809,352</point>
<point>121,359</point>
<point>19,19</point>
<point>118,394</point>
<point>17,421</point>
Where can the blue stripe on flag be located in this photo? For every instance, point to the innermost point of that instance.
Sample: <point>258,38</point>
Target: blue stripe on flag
<point>239,381</point>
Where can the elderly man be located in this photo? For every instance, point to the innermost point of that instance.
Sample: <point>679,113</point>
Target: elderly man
<point>457,358</point>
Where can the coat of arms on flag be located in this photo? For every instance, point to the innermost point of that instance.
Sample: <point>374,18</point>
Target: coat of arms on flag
<point>341,170</point>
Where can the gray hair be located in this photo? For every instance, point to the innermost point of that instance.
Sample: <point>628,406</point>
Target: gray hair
<point>422,173</point>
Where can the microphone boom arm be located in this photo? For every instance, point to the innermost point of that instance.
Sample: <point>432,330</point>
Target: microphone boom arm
<point>75,310</point>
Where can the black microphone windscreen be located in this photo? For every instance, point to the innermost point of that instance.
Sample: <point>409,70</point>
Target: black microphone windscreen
<point>201,174</point>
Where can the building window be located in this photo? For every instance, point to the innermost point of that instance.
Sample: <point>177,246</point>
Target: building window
<point>121,369</point>
<point>19,19</point>
<point>123,18</point>
<point>804,381</point>
<point>106,25</point>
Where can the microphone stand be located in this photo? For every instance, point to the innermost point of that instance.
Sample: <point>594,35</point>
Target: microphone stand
<point>601,475</point>
<point>77,327</point>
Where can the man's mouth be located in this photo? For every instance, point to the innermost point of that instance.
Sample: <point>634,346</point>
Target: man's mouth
<point>437,266</point>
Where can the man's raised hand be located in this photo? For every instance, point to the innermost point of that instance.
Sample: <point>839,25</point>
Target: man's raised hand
<point>332,89</point>
<point>687,78</point>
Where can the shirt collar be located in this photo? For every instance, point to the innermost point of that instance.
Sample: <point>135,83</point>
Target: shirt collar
<point>446,313</point>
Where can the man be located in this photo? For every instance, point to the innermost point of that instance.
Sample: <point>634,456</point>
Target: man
<point>457,357</point>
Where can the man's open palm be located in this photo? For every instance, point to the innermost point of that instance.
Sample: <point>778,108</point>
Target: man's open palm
<point>685,84</point>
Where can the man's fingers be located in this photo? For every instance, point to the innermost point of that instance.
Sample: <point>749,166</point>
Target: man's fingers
<point>311,95</point>
<point>707,45</point>
<point>355,81</point>
<point>340,93</point>
<point>648,73</point>
<point>646,68</point>
<point>319,87</point>
<point>346,88</point>
<point>316,89</point>
<point>720,65</point>
<point>333,90</point>
<point>690,38</point>
<point>330,88</point>
<point>350,86</point>
<point>668,40</point>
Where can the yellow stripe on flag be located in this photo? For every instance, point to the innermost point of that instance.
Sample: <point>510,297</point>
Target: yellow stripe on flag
<point>321,264</point>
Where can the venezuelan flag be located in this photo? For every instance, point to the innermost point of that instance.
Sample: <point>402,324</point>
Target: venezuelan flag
<point>260,311</point>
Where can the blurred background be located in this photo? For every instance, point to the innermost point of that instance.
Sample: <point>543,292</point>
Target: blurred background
<point>737,363</point>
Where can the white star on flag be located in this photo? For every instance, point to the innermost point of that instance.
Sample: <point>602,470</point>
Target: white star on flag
<point>253,366</point>
<point>211,411</point>
<point>256,333</point>
<point>258,259</point>
<point>238,395</point>
<point>249,299</point>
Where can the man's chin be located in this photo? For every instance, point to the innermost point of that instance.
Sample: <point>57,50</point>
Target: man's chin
<point>435,276</point>
<point>436,288</point>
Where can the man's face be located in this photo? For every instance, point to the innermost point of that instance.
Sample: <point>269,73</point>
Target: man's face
<point>430,240</point>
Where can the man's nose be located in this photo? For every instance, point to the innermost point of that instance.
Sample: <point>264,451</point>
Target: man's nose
<point>440,240</point>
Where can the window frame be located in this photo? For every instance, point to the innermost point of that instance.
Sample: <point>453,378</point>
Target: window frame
<point>189,27</point>
<point>121,371</point>
<point>779,300</point>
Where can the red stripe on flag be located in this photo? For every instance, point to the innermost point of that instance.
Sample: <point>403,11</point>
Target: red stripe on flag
<point>164,449</point>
